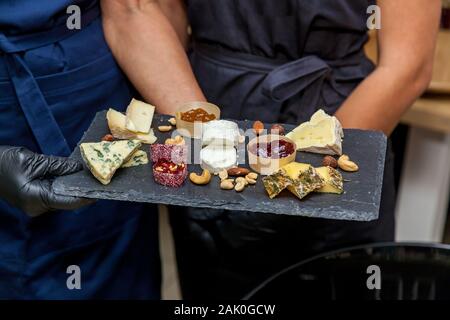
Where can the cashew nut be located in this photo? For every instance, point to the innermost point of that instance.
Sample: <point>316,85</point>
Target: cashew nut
<point>346,164</point>
<point>223,175</point>
<point>202,179</point>
<point>227,184</point>
<point>250,180</point>
<point>242,180</point>
<point>176,140</point>
<point>164,128</point>
<point>239,186</point>
<point>173,121</point>
<point>253,175</point>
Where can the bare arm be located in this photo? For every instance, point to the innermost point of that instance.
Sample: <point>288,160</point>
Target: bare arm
<point>148,50</point>
<point>406,43</point>
<point>175,11</point>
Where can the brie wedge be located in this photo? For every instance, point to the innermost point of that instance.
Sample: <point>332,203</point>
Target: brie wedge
<point>104,158</point>
<point>220,132</point>
<point>139,116</point>
<point>215,158</point>
<point>322,134</point>
<point>117,126</point>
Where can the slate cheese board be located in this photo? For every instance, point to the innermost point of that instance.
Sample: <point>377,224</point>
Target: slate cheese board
<point>360,201</point>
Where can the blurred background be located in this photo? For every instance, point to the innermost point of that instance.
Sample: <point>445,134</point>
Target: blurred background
<point>422,167</point>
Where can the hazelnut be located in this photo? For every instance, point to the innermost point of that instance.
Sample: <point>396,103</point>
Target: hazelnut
<point>277,129</point>
<point>329,161</point>
<point>108,137</point>
<point>258,127</point>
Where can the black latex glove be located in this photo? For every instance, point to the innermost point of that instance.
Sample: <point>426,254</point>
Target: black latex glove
<point>26,181</point>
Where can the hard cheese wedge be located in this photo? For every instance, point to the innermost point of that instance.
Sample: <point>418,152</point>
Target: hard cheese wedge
<point>306,179</point>
<point>139,116</point>
<point>117,126</point>
<point>299,178</point>
<point>334,183</point>
<point>322,134</point>
<point>104,158</point>
<point>138,158</point>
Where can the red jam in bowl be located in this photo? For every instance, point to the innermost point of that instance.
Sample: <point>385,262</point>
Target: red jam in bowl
<point>275,150</point>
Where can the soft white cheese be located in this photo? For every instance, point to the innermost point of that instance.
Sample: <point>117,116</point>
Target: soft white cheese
<point>215,158</point>
<point>322,134</point>
<point>220,132</point>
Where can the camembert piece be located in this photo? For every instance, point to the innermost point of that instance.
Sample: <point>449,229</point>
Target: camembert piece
<point>104,158</point>
<point>216,158</point>
<point>322,134</point>
<point>139,116</point>
<point>333,180</point>
<point>117,126</point>
<point>306,179</point>
<point>138,158</point>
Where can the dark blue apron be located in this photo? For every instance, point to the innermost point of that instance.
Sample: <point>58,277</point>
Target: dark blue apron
<point>52,83</point>
<point>275,61</point>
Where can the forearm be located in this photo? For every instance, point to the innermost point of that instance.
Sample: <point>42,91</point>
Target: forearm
<point>379,102</point>
<point>175,11</point>
<point>148,50</point>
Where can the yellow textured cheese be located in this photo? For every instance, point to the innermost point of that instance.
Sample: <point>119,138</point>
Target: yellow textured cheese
<point>117,126</point>
<point>334,182</point>
<point>139,116</point>
<point>104,158</point>
<point>322,134</point>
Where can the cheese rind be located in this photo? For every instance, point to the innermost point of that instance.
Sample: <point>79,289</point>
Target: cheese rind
<point>334,183</point>
<point>139,116</point>
<point>323,134</point>
<point>104,158</point>
<point>138,158</point>
<point>216,158</point>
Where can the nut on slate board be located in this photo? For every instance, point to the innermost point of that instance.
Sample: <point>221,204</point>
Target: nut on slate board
<point>329,161</point>
<point>258,127</point>
<point>165,128</point>
<point>202,179</point>
<point>277,129</point>
<point>346,164</point>
<point>238,172</point>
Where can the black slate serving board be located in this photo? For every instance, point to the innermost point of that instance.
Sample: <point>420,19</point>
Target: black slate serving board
<point>361,200</point>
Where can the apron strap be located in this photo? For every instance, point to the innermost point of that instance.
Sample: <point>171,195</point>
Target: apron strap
<point>40,118</point>
<point>294,77</point>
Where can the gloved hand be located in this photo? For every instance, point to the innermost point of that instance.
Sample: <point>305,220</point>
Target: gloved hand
<point>26,181</point>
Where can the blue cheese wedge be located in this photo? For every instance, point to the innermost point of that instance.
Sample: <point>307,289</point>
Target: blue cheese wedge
<point>138,158</point>
<point>323,134</point>
<point>104,158</point>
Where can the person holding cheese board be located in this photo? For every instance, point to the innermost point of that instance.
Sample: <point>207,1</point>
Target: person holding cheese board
<point>53,80</point>
<point>274,61</point>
